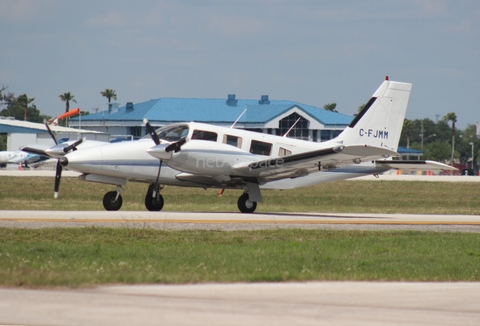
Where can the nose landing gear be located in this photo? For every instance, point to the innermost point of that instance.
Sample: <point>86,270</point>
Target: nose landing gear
<point>112,201</point>
<point>245,205</point>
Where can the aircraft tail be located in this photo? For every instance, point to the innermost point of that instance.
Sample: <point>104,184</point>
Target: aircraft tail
<point>380,122</point>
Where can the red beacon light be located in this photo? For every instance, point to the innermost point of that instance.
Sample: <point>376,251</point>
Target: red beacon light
<point>386,77</point>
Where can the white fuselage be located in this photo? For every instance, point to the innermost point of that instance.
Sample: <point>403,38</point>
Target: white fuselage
<point>210,151</point>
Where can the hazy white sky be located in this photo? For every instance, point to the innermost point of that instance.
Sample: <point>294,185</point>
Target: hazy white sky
<point>312,51</point>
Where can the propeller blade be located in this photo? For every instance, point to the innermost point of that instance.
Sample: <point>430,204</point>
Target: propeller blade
<point>151,132</point>
<point>177,146</point>
<point>72,146</point>
<point>58,175</point>
<point>51,134</point>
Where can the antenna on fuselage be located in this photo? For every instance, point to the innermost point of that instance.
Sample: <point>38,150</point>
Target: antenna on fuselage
<point>238,119</point>
<point>291,128</point>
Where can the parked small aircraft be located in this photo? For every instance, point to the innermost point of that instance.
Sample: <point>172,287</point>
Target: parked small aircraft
<point>207,156</point>
<point>12,157</point>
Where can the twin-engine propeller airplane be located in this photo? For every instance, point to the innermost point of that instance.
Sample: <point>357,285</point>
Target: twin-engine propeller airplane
<point>207,156</point>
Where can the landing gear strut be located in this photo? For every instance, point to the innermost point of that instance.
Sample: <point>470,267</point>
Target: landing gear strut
<point>153,200</point>
<point>112,201</point>
<point>245,205</point>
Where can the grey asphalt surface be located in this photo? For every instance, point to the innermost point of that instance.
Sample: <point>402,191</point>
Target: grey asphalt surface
<point>310,303</point>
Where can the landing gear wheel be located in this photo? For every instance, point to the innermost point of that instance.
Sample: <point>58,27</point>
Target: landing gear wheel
<point>153,204</point>
<point>111,202</point>
<point>245,205</point>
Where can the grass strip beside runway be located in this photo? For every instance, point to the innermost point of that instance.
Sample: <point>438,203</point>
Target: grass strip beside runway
<point>390,197</point>
<point>92,256</point>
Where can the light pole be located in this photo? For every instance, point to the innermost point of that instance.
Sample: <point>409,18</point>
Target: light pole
<point>425,138</point>
<point>472,144</point>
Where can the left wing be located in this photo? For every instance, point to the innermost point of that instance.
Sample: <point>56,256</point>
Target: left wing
<point>414,165</point>
<point>299,165</point>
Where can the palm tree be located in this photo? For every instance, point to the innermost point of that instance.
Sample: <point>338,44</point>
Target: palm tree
<point>67,97</point>
<point>109,94</point>
<point>408,126</point>
<point>453,118</point>
<point>330,107</point>
<point>24,101</point>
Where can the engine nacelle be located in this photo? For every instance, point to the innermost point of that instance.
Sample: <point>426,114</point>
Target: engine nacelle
<point>160,152</point>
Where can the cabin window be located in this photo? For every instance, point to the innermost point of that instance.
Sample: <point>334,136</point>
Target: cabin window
<point>260,148</point>
<point>232,140</point>
<point>204,135</point>
<point>284,152</point>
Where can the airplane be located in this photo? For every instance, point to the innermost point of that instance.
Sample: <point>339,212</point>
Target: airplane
<point>12,157</point>
<point>201,155</point>
<point>35,159</point>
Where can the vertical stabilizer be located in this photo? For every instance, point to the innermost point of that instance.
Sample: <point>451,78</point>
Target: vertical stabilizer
<point>380,122</point>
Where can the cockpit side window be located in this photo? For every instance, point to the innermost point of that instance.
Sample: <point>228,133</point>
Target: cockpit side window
<point>172,133</point>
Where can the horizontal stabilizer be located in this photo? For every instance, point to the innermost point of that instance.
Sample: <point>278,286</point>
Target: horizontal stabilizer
<point>415,165</point>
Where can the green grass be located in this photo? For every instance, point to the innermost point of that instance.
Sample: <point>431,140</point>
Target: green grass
<point>414,197</point>
<point>92,256</point>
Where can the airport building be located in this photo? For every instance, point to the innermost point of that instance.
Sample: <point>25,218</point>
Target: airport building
<point>262,115</point>
<point>126,122</point>
<point>21,133</point>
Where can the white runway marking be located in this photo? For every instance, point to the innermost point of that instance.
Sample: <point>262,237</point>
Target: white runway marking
<point>222,218</point>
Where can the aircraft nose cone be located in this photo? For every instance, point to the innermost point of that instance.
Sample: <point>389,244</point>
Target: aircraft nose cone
<point>63,161</point>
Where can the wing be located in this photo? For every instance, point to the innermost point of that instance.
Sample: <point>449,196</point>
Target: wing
<point>414,165</point>
<point>299,165</point>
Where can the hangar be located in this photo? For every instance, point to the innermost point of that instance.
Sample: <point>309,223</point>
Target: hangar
<point>21,133</point>
<point>262,115</point>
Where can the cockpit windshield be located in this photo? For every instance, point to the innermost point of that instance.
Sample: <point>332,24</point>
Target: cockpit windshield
<point>172,133</point>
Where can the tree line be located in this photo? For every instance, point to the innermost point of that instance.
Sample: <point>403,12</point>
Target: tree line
<point>22,107</point>
<point>441,140</point>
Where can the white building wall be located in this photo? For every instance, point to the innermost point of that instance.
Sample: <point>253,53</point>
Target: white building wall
<point>15,141</point>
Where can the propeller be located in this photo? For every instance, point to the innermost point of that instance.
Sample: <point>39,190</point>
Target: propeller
<point>156,140</point>
<point>176,146</point>
<point>51,134</point>
<point>59,168</point>
<point>58,175</point>
<point>151,132</point>
<point>73,146</point>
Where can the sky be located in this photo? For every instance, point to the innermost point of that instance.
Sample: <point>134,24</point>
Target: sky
<point>310,51</point>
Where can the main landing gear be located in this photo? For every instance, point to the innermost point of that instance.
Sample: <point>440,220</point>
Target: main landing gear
<point>153,200</point>
<point>112,201</point>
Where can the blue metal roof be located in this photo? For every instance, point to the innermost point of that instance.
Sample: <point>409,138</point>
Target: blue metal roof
<point>412,151</point>
<point>215,111</point>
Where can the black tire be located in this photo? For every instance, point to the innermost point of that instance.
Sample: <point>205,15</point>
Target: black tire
<point>245,205</point>
<point>109,202</point>
<point>154,204</point>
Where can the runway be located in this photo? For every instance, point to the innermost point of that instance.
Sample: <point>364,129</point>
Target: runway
<point>309,303</point>
<point>237,221</point>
